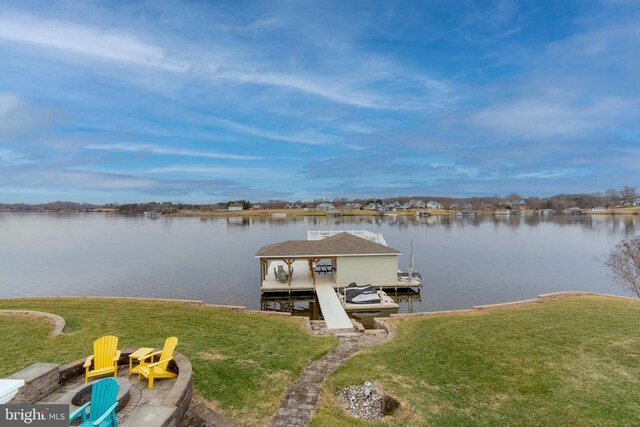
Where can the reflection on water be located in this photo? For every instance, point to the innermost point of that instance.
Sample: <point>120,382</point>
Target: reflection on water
<point>464,261</point>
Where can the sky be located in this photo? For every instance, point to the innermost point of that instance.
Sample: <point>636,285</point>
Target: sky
<point>196,101</point>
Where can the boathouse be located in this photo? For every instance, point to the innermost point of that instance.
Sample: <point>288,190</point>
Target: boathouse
<point>337,260</point>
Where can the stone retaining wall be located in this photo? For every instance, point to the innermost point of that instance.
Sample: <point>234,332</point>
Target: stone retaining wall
<point>58,321</point>
<point>241,308</point>
<point>179,396</point>
<point>40,379</point>
<point>382,323</point>
<point>538,299</point>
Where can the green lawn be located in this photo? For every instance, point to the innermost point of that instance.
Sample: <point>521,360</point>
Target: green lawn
<point>566,362</point>
<point>242,361</point>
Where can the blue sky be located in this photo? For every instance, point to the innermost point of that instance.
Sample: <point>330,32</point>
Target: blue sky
<point>208,101</point>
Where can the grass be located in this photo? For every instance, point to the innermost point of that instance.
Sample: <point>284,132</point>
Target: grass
<point>242,361</point>
<point>629,210</point>
<point>571,361</point>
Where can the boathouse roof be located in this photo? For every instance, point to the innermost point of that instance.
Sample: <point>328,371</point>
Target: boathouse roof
<point>341,244</point>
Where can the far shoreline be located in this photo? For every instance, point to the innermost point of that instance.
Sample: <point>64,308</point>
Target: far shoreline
<point>292,213</point>
<point>365,212</point>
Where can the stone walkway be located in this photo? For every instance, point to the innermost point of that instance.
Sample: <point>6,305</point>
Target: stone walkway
<point>301,399</point>
<point>300,402</point>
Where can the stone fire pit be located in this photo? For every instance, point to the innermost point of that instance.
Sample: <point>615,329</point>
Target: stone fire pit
<point>164,405</point>
<point>371,404</point>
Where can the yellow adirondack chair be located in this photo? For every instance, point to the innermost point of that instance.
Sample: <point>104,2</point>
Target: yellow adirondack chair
<point>105,358</point>
<point>158,369</point>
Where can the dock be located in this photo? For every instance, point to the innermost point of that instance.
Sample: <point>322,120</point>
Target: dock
<point>326,263</point>
<point>332,310</point>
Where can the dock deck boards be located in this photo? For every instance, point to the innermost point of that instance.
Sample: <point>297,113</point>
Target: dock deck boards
<point>300,281</point>
<point>332,310</point>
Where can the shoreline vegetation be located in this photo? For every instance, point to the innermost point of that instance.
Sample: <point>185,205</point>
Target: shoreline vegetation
<point>634,210</point>
<point>300,212</point>
<point>614,202</point>
<point>282,213</point>
<point>567,359</point>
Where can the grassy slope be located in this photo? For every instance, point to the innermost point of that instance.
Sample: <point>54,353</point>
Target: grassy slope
<point>242,362</point>
<point>573,361</point>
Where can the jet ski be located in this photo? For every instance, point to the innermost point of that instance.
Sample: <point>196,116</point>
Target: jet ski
<point>363,294</point>
<point>354,285</point>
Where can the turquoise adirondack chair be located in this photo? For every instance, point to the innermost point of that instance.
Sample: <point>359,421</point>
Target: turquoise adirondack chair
<point>102,407</point>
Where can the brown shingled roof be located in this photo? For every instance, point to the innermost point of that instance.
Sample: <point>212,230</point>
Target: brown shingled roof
<point>339,244</point>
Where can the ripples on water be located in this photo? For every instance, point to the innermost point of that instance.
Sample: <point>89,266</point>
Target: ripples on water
<point>464,261</point>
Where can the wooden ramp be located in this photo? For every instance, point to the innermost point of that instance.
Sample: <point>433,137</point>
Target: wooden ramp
<point>332,310</point>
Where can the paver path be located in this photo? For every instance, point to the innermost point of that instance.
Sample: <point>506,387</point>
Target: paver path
<point>301,399</point>
<point>300,402</point>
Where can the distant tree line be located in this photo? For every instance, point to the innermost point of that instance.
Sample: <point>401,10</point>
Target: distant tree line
<point>163,207</point>
<point>610,198</point>
<point>169,207</point>
<point>49,207</point>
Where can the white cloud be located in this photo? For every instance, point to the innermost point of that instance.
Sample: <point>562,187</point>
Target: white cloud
<point>549,116</point>
<point>257,25</point>
<point>548,174</point>
<point>600,41</point>
<point>99,43</point>
<point>295,138</point>
<point>153,149</point>
<point>8,103</point>
<point>18,116</point>
<point>313,86</point>
<point>221,170</point>
<point>349,85</point>
<point>9,157</point>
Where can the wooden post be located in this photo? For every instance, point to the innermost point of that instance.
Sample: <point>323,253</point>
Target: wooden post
<point>312,263</point>
<point>289,262</point>
<point>261,271</point>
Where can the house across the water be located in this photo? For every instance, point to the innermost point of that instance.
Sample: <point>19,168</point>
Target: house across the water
<point>236,207</point>
<point>339,259</point>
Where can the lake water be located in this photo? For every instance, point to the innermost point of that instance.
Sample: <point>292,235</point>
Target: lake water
<point>464,261</point>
